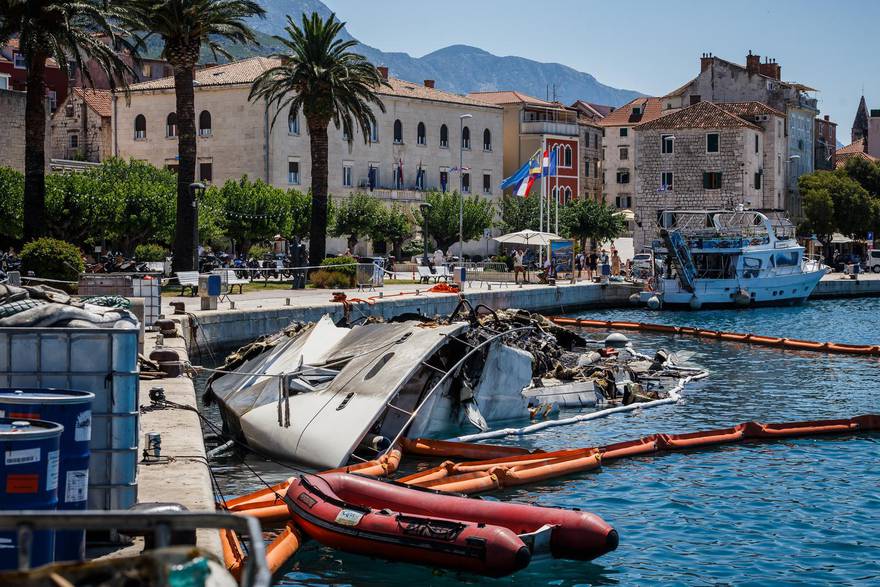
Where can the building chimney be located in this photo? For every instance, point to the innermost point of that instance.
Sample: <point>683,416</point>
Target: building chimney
<point>429,83</point>
<point>753,63</point>
<point>771,69</point>
<point>705,61</point>
<point>383,71</point>
<point>827,117</point>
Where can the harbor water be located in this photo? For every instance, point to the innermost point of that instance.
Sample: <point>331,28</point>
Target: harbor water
<point>792,512</point>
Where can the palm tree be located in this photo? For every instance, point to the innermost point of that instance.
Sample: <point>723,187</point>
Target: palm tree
<point>71,32</point>
<point>185,26</point>
<point>321,76</point>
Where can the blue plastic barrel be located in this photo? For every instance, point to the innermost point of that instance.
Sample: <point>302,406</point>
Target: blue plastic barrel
<point>29,456</point>
<point>73,410</point>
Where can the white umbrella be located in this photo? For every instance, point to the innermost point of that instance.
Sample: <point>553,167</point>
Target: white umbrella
<point>528,237</point>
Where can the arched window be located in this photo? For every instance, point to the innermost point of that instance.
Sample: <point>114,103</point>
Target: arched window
<point>566,195</point>
<point>292,124</point>
<point>487,140</point>
<point>398,132</point>
<point>420,134</point>
<point>567,156</point>
<point>465,138</point>
<point>444,136</point>
<point>171,125</point>
<point>205,123</point>
<point>140,127</point>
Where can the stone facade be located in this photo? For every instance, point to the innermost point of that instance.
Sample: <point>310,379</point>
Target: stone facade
<point>12,137</point>
<point>826,143</point>
<point>747,151</point>
<point>592,165</point>
<point>79,131</point>
<point>722,81</point>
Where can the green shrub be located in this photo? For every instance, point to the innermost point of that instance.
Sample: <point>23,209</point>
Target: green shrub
<point>335,262</point>
<point>146,253</point>
<point>52,259</point>
<point>331,279</point>
<point>259,251</point>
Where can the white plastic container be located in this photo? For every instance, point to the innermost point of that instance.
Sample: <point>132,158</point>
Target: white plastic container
<point>103,361</point>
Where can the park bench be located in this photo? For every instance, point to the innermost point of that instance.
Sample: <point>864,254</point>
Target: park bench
<point>188,280</point>
<point>231,280</point>
<point>425,274</point>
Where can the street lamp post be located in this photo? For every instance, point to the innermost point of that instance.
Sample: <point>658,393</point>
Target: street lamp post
<point>197,190</point>
<point>425,206</point>
<point>461,120</point>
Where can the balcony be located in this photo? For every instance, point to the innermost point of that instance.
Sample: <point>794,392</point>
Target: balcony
<point>548,127</point>
<point>394,194</point>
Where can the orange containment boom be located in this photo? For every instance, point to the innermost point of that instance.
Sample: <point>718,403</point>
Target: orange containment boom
<point>771,341</point>
<point>475,477</point>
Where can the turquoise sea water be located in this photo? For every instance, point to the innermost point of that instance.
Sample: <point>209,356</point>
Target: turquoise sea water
<point>796,512</point>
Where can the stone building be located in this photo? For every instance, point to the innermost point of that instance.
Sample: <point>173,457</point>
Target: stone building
<point>13,75</point>
<point>619,161</point>
<point>531,125</point>
<point>415,146</point>
<point>708,156</point>
<point>591,162</point>
<point>826,143</point>
<point>720,80</point>
<point>12,105</point>
<point>860,122</point>
<point>81,127</point>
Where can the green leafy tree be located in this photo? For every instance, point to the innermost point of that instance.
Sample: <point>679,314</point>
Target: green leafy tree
<point>184,27</point>
<point>585,218</point>
<point>82,32</point>
<point>355,217</point>
<point>854,210</point>
<point>865,173</point>
<point>11,201</point>
<point>300,213</point>
<point>392,224</point>
<point>79,209</point>
<point>443,216</point>
<point>321,75</point>
<point>518,213</point>
<point>254,211</point>
<point>819,212</point>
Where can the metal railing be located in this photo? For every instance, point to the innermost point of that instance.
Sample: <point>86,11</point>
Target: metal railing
<point>162,526</point>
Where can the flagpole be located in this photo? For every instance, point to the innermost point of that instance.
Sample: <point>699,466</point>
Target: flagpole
<point>541,207</point>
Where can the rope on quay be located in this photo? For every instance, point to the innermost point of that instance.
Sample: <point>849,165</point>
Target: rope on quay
<point>747,338</point>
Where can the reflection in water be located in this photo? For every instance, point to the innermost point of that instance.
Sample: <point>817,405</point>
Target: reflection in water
<point>796,512</point>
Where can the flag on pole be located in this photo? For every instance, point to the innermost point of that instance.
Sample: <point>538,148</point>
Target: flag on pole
<point>525,185</point>
<point>549,167</point>
<point>521,173</point>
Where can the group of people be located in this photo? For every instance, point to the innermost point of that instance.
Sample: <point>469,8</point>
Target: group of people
<point>586,264</point>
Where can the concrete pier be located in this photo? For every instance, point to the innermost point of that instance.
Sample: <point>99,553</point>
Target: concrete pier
<point>837,285</point>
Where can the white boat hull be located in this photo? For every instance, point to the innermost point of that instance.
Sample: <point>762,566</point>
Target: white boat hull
<point>790,288</point>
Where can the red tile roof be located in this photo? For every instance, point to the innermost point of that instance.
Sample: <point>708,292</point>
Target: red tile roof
<point>652,109</point>
<point>856,147</point>
<point>245,71</point>
<point>851,151</point>
<point>512,97</point>
<point>749,109</point>
<point>101,101</point>
<point>700,115</point>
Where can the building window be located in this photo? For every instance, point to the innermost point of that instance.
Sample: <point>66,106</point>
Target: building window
<point>444,179</point>
<point>712,142</point>
<point>69,108</point>
<point>712,180</point>
<point>487,183</point>
<point>586,168</point>
<point>19,61</point>
<point>171,125</point>
<point>666,181</point>
<point>566,158</point>
<point>421,138</point>
<point>624,153</point>
<point>465,138</point>
<point>206,171</point>
<point>172,167</point>
<point>205,123</point>
<point>487,140</point>
<point>292,124</point>
<point>466,183</point>
<point>759,176</point>
<point>596,141</point>
<point>53,100</point>
<point>667,144</point>
<point>140,127</point>
<point>800,144</point>
<point>346,175</point>
<point>623,176</point>
<point>420,178</point>
<point>624,132</point>
<point>4,81</point>
<point>695,99</point>
<point>623,202</point>
<point>398,132</point>
<point>293,172</point>
<point>444,136</point>
<point>567,196</point>
<point>757,143</point>
<point>73,141</point>
<point>374,132</point>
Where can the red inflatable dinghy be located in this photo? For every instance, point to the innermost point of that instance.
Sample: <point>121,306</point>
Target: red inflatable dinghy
<point>378,518</point>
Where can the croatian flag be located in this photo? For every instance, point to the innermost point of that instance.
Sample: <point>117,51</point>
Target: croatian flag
<point>549,167</point>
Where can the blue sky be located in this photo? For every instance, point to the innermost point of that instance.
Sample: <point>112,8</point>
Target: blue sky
<point>649,46</point>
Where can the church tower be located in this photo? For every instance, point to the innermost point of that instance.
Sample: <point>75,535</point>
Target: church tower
<point>860,124</point>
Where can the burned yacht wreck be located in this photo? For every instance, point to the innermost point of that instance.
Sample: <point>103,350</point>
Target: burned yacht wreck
<point>327,395</point>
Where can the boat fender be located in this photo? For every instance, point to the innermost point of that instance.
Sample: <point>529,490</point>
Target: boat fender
<point>616,339</point>
<point>654,303</point>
